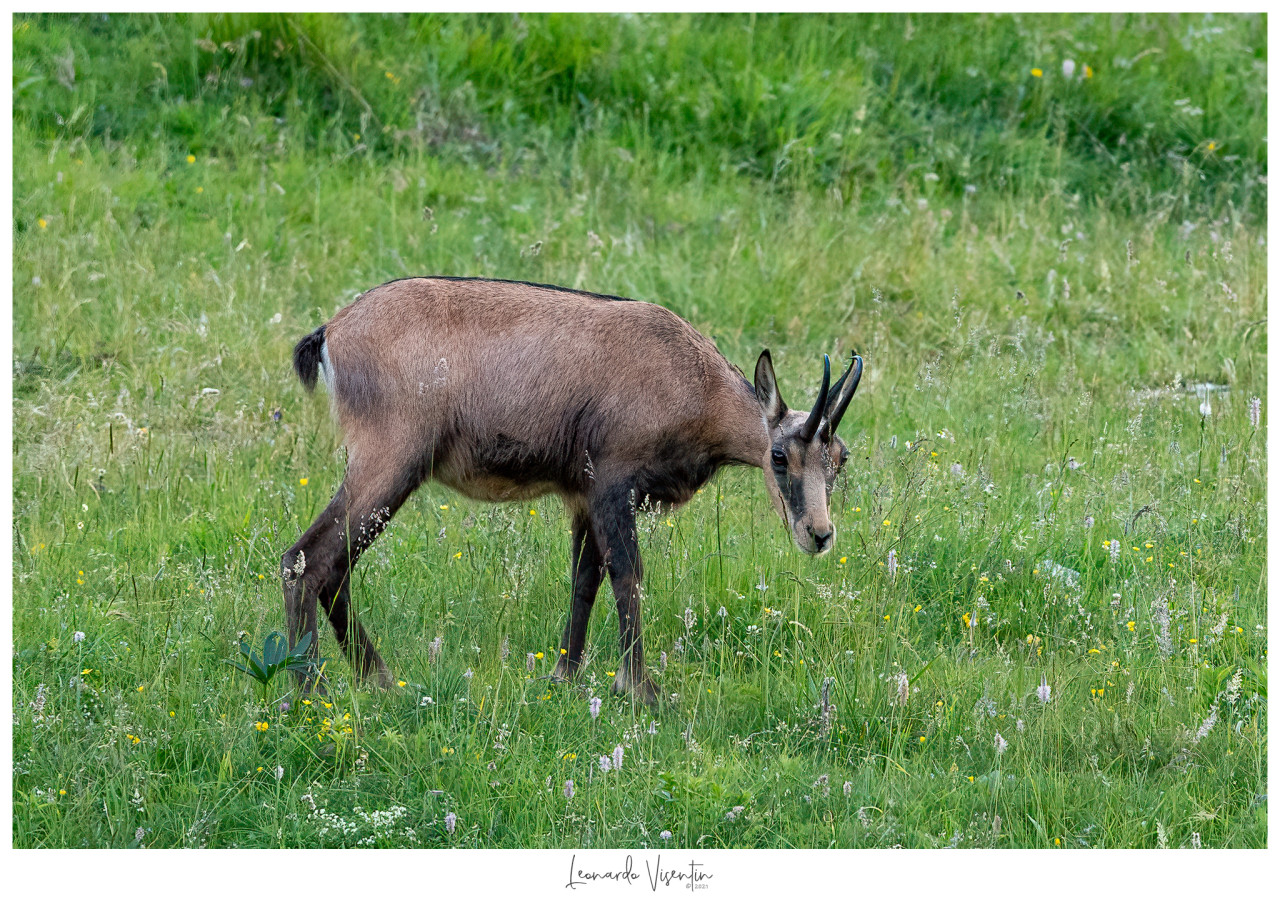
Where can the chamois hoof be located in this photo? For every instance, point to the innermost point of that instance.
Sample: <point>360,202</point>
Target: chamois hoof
<point>561,674</point>
<point>316,684</point>
<point>379,679</point>
<point>642,691</point>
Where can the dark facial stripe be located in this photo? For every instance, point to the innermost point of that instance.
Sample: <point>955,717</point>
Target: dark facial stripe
<point>793,490</point>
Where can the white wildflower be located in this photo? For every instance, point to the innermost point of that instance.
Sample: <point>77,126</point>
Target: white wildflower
<point>903,688</point>
<point>37,704</point>
<point>1233,688</point>
<point>1206,725</point>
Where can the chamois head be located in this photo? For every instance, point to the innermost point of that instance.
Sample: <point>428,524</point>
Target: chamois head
<point>804,454</point>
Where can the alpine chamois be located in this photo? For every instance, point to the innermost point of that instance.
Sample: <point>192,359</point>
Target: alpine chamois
<point>507,390</point>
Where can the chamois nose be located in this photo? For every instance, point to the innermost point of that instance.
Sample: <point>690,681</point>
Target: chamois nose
<point>820,541</point>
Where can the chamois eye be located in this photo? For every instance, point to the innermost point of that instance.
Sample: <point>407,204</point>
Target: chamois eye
<point>779,458</point>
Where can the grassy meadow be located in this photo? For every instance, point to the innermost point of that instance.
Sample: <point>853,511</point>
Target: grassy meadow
<point>1044,620</point>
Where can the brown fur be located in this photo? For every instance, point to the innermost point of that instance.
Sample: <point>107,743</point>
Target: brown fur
<point>507,390</point>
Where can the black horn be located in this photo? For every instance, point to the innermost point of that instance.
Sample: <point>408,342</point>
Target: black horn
<point>841,394</point>
<point>832,394</point>
<point>820,404</point>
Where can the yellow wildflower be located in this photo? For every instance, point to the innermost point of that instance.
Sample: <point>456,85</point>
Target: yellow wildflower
<point>1035,73</point>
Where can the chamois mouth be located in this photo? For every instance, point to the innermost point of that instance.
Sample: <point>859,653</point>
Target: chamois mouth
<point>813,545</point>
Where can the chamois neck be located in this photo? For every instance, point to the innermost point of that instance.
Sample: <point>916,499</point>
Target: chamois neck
<point>748,436</point>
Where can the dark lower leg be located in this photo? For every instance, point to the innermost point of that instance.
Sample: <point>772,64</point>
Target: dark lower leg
<point>587,573</point>
<point>613,517</point>
<point>353,639</point>
<point>306,570</point>
<point>318,567</point>
<point>631,676</point>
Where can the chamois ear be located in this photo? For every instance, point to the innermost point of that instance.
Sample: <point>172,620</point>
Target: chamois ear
<point>767,390</point>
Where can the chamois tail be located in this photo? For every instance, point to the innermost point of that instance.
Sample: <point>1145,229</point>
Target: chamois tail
<point>308,356</point>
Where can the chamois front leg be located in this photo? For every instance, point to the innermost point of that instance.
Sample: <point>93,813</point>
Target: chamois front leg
<point>587,571</point>
<point>613,522</point>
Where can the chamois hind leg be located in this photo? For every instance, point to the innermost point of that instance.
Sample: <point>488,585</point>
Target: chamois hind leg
<point>587,572</point>
<point>318,566</point>
<point>613,522</point>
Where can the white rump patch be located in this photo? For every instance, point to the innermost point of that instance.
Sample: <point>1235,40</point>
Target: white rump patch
<point>326,370</point>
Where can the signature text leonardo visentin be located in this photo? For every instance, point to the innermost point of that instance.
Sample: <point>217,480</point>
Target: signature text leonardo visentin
<point>692,877</point>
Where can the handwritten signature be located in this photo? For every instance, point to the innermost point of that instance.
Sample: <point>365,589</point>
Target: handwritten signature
<point>692,877</point>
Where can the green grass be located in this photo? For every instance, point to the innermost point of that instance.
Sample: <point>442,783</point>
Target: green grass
<point>1033,346</point>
